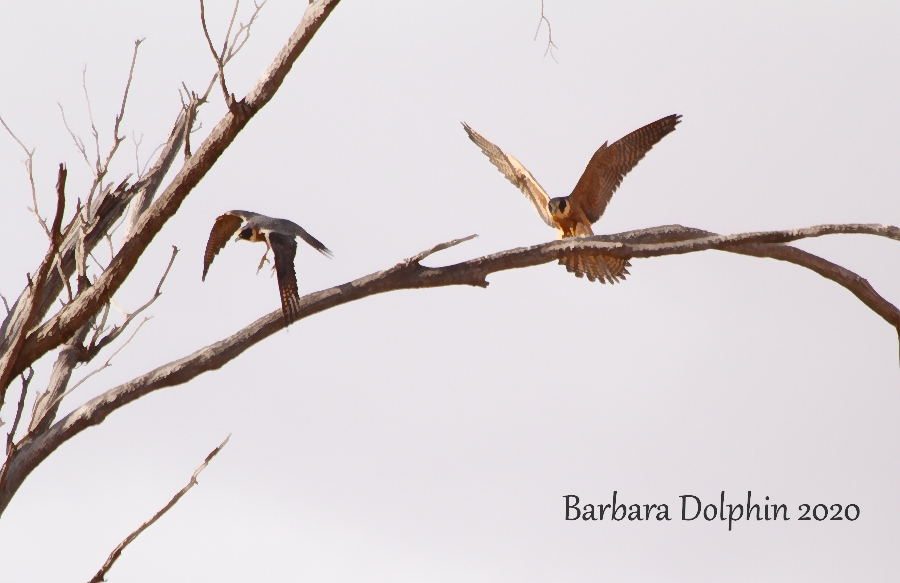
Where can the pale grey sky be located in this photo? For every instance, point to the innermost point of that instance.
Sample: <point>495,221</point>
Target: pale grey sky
<point>431,435</point>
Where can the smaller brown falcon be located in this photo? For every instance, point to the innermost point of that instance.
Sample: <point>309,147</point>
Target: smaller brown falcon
<point>573,215</point>
<point>279,235</point>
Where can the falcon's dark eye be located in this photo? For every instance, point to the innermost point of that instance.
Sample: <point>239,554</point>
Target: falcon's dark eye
<point>246,233</point>
<point>562,205</point>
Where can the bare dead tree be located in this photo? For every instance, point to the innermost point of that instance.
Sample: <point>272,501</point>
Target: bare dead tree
<point>82,329</point>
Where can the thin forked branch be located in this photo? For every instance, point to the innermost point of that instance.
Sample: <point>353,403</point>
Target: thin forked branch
<point>231,46</point>
<point>94,132</point>
<point>550,44</point>
<point>29,167</point>
<point>220,64</point>
<point>103,167</point>
<point>10,439</point>
<point>117,330</point>
<point>79,144</point>
<point>99,577</point>
<point>238,41</point>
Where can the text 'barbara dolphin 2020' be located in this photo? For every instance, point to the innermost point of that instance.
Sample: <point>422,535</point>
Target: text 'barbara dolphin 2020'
<point>693,508</point>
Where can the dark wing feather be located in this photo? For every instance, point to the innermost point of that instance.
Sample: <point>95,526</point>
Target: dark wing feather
<point>284,247</point>
<point>224,228</point>
<point>514,172</point>
<point>299,231</point>
<point>610,164</point>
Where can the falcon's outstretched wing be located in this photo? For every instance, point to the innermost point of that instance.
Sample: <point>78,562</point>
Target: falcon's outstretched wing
<point>223,229</point>
<point>284,247</point>
<point>514,172</point>
<point>610,164</point>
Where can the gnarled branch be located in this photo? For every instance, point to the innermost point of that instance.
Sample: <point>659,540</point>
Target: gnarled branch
<point>411,274</point>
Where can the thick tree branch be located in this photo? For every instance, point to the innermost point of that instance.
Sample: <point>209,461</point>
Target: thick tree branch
<point>8,358</point>
<point>75,352</point>
<point>99,577</point>
<point>110,206</point>
<point>70,318</point>
<point>411,274</point>
<point>43,412</point>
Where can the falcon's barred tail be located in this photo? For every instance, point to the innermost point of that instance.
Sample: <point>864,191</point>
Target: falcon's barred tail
<point>597,267</point>
<point>284,247</point>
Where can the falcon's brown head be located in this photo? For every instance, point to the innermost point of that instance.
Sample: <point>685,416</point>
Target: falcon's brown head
<point>558,208</point>
<point>573,215</point>
<point>279,235</point>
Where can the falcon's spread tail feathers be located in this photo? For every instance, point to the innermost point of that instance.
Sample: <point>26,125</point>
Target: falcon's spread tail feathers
<point>600,268</point>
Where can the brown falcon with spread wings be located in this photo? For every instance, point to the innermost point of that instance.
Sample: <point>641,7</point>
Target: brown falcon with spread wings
<point>573,215</point>
<point>279,235</point>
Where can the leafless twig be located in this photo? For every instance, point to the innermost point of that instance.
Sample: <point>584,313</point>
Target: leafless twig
<point>60,187</point>
<point>103,167</point>
<point>231,47</point>
<point>190,112</point>
<point>439,247</point>
<point>10,443</point>
<point>237,43</point>
<point>220,65</point>
<point>79,144</point>
<point>29,167</point>
<point>137,146</point>
<point>26,380</point>
<point>95,347</point>
<point>550,44</point>
<point>94,132</point>
<point>99,577</point>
